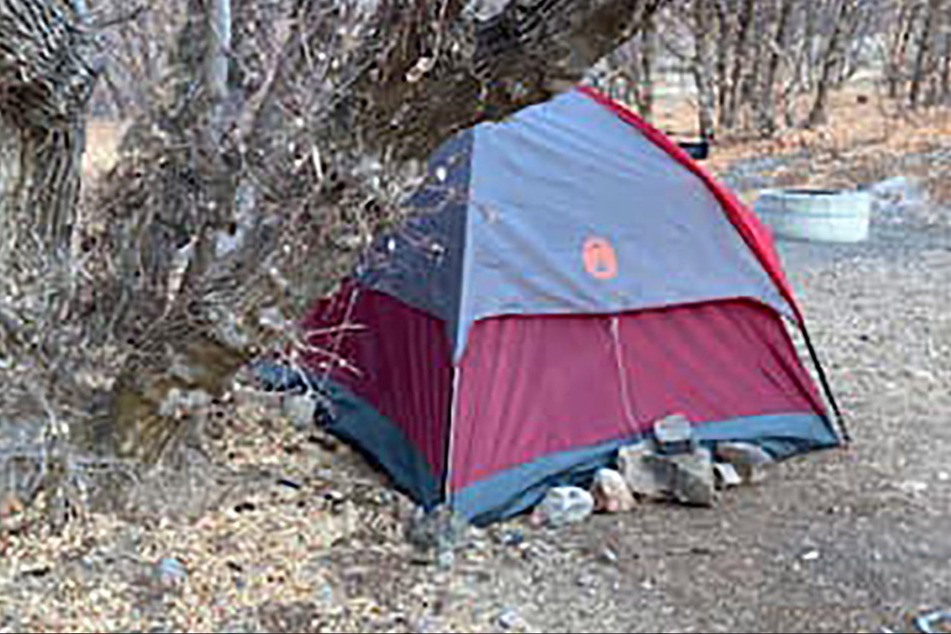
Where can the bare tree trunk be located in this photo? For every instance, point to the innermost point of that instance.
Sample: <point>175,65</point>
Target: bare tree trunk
<point>766,111</point>
<point>926,35</point>
<point>646,49</point>
<point>703,67</point>
<point>936,58</point>
<point>809,45</point>
<point>258,213</point>
<point>392,118</point>
<point>219,48</point>
<point>46,79</point>
<point>41,113</point>
<point>833,54</point>
<point>740,61</point>
<point>45,85</point>
<point>724,47</point>
<point>893,62</point>
<point>797,76</point>
<point>907,19</point>
<point>946,71</point>
<point>757,56</point>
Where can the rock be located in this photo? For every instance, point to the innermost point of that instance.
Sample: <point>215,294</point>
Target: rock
<point>725,475</point>
<point>438,531</point>
<point>934,622</point>
<point>11,513</point>
<point>563,505</point>
<point>811,555</point>
<point>643,477</point>
<point>509,619</point>
<point>426,625</point>
<point>686,477</point>
<point>325,594</point>
<point>170,572</point>
<point>748,459</point>
<point>586,581</point>
<point>445,559</point>
<point>912,487</point>
<point>301,410</point>
<point>512,537</point>
<point>608,556</point>
<point>273,376</point>
<point>691,477</point>
<point>611,493</point>
<point>10,505</point>
<point>674,435</point>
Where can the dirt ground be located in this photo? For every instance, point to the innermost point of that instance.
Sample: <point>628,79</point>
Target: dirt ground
<point>308,537</point>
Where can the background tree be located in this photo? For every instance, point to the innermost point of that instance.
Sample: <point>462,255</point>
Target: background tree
<point>247,187</point>
<point>833,57</point>
<point>758,67</point>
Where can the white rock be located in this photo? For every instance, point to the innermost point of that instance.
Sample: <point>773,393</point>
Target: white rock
<point>725,475</point>
<point>509,619</point>
<point>611,493</point>
<point>564,505</point>
<point>913,487</point>
<point>674,434</point>
<point>300,409</point>
<point>749,460</point>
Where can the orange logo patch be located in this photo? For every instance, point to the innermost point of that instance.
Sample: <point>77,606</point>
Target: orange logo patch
<point>600,261</point>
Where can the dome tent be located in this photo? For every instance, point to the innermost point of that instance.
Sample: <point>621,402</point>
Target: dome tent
<point>567,277</point>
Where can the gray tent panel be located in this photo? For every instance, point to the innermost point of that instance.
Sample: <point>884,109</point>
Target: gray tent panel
<point>560,181</point>
<point>421,263</point>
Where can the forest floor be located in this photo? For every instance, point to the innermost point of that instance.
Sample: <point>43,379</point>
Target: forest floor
<point>285,529</point>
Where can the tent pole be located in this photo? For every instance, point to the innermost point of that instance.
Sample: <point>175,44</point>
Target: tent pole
<point>450,440</point>
<point>839,419</point>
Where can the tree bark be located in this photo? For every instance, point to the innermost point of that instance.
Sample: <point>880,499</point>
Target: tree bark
<point>766,111</point>
<point>45,83</point>
<point>744,30</point>
<point>906,27</point>
<point>818,115</point>
<point>946,71</point>
<point>724,47</point>
<point>47,72</point>
<point>926,35</point>
<point>645,73</point>
<point>211,235</point>
<point>808,61</point>
<point>861,31</point>
<point>703,67</point>
<point>219,48</point>
<point>750,84</point>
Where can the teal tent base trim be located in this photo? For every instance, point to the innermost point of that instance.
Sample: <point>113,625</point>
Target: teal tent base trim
<point>384,444</point>
<point>515,490</point>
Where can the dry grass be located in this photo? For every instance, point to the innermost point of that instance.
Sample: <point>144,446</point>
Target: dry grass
<point>866,139</point>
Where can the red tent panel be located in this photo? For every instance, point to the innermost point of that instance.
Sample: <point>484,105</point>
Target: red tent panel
<point>536,385</point>
<point>398,360</point>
